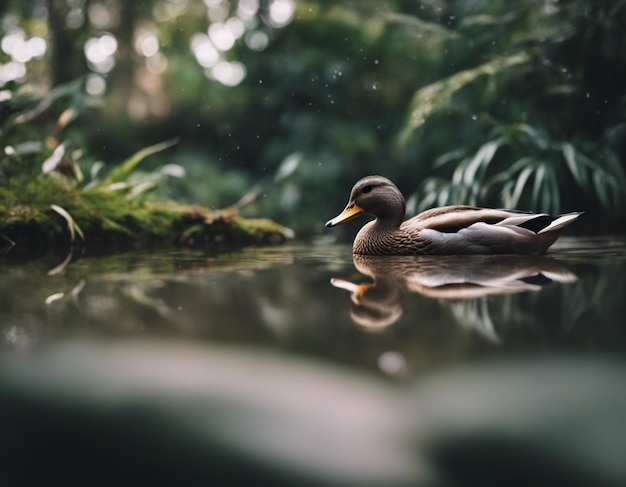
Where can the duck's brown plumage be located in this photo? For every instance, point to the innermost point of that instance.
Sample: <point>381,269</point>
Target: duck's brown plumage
<point>455,229</point>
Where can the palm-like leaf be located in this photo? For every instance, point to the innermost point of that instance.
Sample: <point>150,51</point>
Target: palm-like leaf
<point>430,99</point>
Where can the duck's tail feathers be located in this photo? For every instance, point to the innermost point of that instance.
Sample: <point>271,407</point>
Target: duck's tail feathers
<point>561,222</point>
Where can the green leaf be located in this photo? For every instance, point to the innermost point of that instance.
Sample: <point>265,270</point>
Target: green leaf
<point>72,226</point>
<point>506,194</point>
<point>518,166</point>
<point>520,183</point>
<point>121,172</point>
<point>443,198</point>
<point>449,157</point>
<point>432,98</point>
<point>612,164</point>
<point>420,25</point>
<point>575,164</point>
<point>537,137</point>
<point>481,160</point>
<point>457,175</point>
<point>538,186</point>
<point>602,189</point>
<point>288,166</point>
<point>553,191</point>
<point>53,95</point>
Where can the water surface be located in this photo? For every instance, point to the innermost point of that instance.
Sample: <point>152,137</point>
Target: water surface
<point>391,316</point>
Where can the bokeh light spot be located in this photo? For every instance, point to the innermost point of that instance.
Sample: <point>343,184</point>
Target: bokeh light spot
<point>257,40</point>
<point>221,36</point>
<point>229,74</point>
<point>281,12</point>
<point>203,49</point>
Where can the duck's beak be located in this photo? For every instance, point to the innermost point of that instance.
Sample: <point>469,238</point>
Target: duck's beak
<point>349,213</point>
<point>357,290</point>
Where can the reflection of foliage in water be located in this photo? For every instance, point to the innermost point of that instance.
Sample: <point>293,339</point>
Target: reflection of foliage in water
<point>281,298</point>
<point>580,315</point>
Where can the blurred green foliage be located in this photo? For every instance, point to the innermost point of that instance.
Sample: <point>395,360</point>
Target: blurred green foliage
<point>518,103</point>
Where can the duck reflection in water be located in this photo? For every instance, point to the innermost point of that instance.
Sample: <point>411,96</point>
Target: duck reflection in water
<point>378,304</point>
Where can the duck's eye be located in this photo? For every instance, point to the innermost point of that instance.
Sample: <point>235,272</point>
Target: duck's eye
<point>366,189</point>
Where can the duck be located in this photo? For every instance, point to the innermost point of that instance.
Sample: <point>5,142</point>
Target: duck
<point>447,230</point>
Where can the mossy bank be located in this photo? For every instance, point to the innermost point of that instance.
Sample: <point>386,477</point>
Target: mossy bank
<point>46,213</point>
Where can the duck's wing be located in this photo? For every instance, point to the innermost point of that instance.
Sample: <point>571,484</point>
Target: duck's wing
<point>454,218</point>
<point>540,222</point>
<point>469,230</point>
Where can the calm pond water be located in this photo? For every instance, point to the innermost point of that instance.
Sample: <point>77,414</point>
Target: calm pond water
<point>392,316</point>
<point>324,345</point>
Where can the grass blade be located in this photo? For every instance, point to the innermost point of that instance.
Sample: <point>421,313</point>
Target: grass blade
<point>121,172</point>
<point>72,226</point>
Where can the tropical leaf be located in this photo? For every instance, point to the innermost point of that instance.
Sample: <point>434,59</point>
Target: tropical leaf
<point>288,166</point>
<point>53,95</point>
<point>484,20</point>
<point>426,196</point>
<point>539,194</point>
<point>535,136</point>
<point>444,196</point>
<point>481,160</point>
<point>121,172</point>
<point>553,192</point>
<point>602,189</point>
<point>420,25</point>
<point>575,164</point>
<point>428,100</point>
<point>507,189</point>
<point>520,184</point>
<point>612,165</point>
<point>607,179</point>
<point>449,157</point>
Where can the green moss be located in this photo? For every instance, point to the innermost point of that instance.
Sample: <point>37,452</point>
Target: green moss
<point>261,230</point>
<point>109,220</point>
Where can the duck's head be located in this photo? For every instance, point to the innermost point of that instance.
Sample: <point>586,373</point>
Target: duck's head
<point>374,195</point>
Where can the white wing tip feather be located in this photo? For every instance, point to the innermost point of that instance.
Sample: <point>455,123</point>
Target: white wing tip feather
<point>561,222</point>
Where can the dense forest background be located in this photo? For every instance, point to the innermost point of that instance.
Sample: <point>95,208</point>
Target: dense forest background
<point>279,106</point>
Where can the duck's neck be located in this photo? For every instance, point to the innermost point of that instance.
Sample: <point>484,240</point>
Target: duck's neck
<point>387,223</point>
<point>393,214</point>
